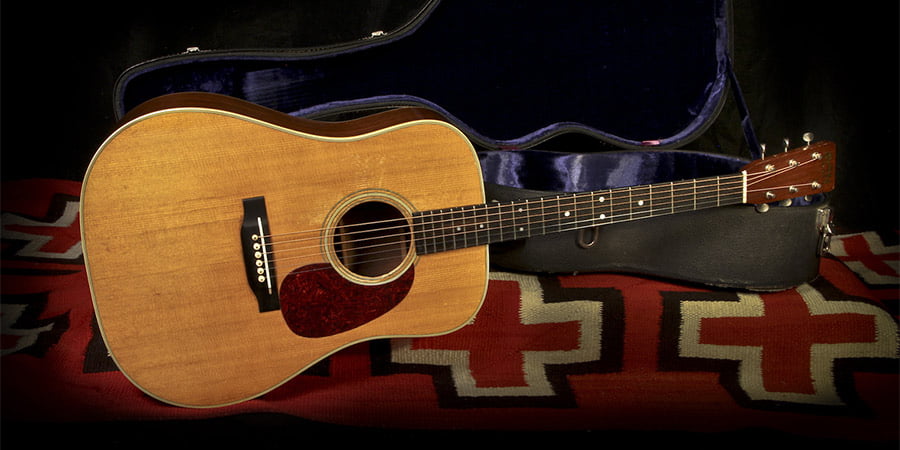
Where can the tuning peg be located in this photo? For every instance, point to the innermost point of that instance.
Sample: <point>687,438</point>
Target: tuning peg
<point>762,149</point>
<point>787,144</point>
<point>808,138</point>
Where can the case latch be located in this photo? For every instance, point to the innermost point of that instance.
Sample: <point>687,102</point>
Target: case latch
<point>824,218</point>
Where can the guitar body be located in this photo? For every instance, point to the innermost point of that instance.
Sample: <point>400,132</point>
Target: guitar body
<point>162,211</point>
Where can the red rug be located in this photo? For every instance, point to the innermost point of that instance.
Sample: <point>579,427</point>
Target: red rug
<point>593,351</point>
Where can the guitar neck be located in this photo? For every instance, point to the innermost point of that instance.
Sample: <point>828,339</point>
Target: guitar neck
<point>467,226</point>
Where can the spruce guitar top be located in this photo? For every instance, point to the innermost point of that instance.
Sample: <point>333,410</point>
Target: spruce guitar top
<point>230,247</point>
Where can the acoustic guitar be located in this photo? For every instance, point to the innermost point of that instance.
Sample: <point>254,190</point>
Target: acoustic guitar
<point>230,247</point>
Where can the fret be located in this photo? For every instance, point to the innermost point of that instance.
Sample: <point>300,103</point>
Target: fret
<point>523,219</point>
<point>437,232</point>
<point>671,198</point>
<point>550,214</point>
<point>479,223</point>
<point>629,205</point>
<point>419,233</point>
<point>695,193</point>
<point>621,201</point>
<point>425,233</point>
<point>508,221</point>
<point>513,217</point>
<point>498,220</point>
<point>662,199</point>
<point>718,193</point>
<point>456,227</point>
<point>684,197</point>
<point>580,210</point>
<point>566,213</point>
<point>612,206</point>
<point>537,215</point>
<point>706,193</point>
<point>731,192</point>
<point>492,221</point>
<point>441,230</point>
<point>468,226</point>
<point>431,233</point>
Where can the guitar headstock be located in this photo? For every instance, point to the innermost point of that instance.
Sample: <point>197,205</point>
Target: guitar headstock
<point>803,171</point>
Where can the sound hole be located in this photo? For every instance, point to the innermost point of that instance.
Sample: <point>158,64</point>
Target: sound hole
<point>372,239</point>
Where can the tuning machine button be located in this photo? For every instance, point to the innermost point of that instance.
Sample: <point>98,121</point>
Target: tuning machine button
<point>808,138</point>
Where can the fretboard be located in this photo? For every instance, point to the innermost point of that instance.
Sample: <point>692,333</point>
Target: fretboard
<point>467,226</point>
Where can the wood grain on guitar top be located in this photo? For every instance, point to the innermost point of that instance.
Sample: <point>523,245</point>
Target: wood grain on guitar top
<point>161,211</point>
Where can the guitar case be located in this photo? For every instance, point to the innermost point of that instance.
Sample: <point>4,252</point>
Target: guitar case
<point>574,97</point>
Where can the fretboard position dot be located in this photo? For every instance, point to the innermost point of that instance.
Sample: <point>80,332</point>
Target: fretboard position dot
<point>640,203</point>
<point>602,216</point>
<point>602,199</point>
<point>566,214</point>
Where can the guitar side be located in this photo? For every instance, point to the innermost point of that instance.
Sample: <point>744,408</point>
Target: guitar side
<point>161,215</point>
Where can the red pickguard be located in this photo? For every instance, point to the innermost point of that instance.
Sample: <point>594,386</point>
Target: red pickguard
<point>316,301</point>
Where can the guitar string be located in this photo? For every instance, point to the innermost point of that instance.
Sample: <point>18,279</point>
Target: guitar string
<point>380,249</point>
<point>543,212</point>
<point>569,226</point>
<point>503,223</point>
<point>667,208</point>
<point>725,177</point>
<point>757,177</point>
<point>490,209</point>
<point>670,200</point>
<point>564,226</point>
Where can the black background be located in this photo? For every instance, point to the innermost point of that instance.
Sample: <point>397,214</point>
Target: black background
<point>826,67</point>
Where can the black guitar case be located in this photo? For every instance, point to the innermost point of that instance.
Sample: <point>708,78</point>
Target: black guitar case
<point>570,97</point>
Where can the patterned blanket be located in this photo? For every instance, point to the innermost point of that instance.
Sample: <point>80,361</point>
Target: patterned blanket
<point>574,352</point>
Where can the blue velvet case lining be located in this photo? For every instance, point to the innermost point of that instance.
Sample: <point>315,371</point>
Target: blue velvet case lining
<point>640,74</point>
<point>577,172</point>
<point>632,73</point>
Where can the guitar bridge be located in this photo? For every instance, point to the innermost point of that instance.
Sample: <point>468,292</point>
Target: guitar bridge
<point>257,251</point>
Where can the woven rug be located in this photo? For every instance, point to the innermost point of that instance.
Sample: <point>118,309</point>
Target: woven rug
<point>573,352</point>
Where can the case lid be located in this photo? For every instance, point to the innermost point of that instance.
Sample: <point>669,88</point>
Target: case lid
<point>632,73</point>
